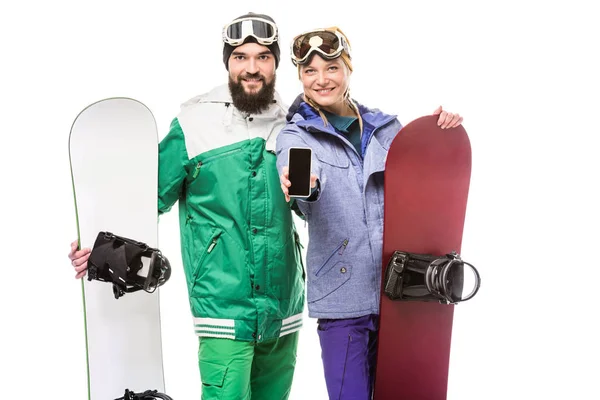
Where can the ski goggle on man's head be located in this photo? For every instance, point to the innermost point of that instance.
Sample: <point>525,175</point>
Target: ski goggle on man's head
<point>237,31</point>
<point>329,43</point>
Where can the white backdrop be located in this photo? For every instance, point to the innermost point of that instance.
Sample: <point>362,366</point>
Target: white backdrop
<point>524,74</point>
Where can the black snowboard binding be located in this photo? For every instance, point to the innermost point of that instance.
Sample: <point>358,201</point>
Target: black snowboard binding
<point>147,395</point>
<point>424,277</point>
<point>118,260</point>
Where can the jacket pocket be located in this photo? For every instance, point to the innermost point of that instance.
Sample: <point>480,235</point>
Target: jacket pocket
<point>208,248</point>
<point>339,251</point>
<point>333,158</point>
<point>223,154</point>
<point>331,275</point>
<point>202,161</point>
<point>221,272</point>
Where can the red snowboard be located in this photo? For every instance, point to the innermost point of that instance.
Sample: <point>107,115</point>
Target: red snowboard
<point>427,178</point>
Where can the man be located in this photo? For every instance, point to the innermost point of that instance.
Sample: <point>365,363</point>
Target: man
<point>239,247</point>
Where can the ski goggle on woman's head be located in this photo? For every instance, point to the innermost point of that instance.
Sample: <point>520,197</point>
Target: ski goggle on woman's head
<point>328,43</point>
<point>263,30</point>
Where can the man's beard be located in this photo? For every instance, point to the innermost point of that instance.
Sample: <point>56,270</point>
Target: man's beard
<point>254,103</point>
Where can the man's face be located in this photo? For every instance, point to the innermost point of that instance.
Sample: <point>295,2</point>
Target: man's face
<point>252,77</point>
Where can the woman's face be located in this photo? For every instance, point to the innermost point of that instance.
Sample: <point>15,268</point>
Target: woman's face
<point>325,82</point>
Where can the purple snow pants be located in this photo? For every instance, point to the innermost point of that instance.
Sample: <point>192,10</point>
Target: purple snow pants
<point>348,350</point>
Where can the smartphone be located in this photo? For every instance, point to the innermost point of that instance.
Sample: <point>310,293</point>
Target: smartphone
<point>299,164</point>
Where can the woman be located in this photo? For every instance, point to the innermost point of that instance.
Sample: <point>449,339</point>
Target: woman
<point>349,145</point>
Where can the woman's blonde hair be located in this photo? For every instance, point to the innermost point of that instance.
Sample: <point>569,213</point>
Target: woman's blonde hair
<point>348,62</point>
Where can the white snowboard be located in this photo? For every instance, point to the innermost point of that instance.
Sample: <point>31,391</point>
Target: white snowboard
<point>113,149</point>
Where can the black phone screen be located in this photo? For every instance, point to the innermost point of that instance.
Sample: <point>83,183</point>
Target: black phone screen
<point>299,171</point>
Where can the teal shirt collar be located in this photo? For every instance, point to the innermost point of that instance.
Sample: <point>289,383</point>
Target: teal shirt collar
<point>340,123</point>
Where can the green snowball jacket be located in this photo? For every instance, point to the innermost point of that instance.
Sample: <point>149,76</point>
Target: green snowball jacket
<point>240,250</point>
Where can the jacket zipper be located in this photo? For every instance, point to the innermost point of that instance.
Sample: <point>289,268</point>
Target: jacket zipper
<point>212,245</point>
<point>344,244</point>
<point>208,250</point>
<point>197,170</point>
<point>299,247</point>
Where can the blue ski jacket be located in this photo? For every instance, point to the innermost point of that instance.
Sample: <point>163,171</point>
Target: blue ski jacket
<point>345,216</point>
